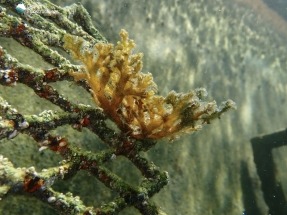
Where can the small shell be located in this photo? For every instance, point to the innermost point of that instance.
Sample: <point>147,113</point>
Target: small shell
<point>23,125</point>
<point>51,199</point>
<point>20,8</point>
<point>113,157</point>
<point>13,134</point>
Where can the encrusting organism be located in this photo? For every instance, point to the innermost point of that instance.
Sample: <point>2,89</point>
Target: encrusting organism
<point>129,97</point>
<point>122,93</point>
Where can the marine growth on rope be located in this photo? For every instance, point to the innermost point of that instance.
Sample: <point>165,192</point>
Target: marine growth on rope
<point>129,97</point>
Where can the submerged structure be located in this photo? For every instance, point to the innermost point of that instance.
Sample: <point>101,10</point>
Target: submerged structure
<point>122,93</point>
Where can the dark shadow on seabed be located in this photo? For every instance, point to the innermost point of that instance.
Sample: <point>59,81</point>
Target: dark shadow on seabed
<point>249,197</point>
<point>266,169</point>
